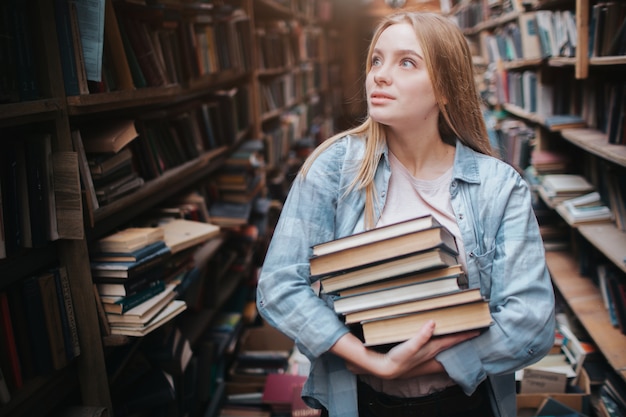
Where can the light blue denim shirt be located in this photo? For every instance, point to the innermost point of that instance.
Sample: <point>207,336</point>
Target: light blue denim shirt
<point>505,258</point>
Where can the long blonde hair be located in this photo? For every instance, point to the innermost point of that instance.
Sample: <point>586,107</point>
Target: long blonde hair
<point>449,63</point>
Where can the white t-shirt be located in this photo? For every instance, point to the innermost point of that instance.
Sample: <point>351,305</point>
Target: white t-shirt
<point>407,198</point>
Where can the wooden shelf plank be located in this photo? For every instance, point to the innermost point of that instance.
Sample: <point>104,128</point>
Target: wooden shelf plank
<point>609,240</point>
<point>596,142</point>
<point>585,300</point>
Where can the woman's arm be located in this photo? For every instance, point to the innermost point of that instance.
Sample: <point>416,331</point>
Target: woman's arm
<point>408,359</point>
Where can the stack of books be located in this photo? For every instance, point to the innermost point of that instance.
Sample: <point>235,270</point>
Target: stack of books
<point>556,188</point>
<point>391,280</point>
<point>587,208</point>
<point>128,269</point>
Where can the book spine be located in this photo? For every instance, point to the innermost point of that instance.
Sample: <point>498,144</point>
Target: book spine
<point>79,57</point>
<point>129,302</point>
<point>66,47</point>
<point>70,328</point>
<point>10,357</point>
<point>26,67</point>
<point>37,331</point>
<point>10,202</point>
<point>52,319</point>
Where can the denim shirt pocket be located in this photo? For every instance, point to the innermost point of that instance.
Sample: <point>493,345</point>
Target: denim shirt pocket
<point>484,263</point>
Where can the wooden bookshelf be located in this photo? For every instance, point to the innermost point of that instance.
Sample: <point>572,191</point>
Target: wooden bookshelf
<point>570,76</point>
<point>57,112</point>
<point>585,300</point>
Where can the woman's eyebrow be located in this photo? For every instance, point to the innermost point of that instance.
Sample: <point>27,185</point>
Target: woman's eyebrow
<point>400,52</point>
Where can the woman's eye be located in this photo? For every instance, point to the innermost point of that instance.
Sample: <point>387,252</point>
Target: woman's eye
<point>407,63</point>
<point>376,61</point>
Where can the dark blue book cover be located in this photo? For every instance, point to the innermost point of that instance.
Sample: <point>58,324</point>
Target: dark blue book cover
<point>37,331</point>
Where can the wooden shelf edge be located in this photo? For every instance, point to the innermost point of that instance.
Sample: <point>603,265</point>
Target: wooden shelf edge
<point>585,300</point>
<point>609,240</point>
<point>596,143</point>
<point>159,188</point>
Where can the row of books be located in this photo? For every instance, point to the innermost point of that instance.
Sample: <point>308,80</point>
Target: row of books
<point>118,156</point>
<point>149,45</point>
<point>287,88</point>
<point>283,44</point>
<point>38,328</point>
<point>391,280</point>
<point>39,193</point>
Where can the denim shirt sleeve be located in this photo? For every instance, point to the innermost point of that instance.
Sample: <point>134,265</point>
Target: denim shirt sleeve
<point>505,257</point>
<point>309,216</point>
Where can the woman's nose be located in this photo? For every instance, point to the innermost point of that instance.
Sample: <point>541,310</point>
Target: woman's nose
<point>381,76</point>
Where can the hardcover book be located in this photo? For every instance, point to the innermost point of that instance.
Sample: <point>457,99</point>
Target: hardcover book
<point>430,264</point>
<point>130,239</point>
<point>378,251</point>
<point>452,319</point>
<point>394,295</point>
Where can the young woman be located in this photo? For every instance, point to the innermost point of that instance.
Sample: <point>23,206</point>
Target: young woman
<point>422,149</point>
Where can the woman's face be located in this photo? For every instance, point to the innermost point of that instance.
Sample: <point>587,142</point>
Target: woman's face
<point>399,90</point>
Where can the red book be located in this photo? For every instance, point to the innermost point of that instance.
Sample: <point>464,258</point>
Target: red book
<point>278,391</point>
<point>10,360</point>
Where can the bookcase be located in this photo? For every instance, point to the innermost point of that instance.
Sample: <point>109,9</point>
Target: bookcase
<point>538,60</point>
<point>174,68</point>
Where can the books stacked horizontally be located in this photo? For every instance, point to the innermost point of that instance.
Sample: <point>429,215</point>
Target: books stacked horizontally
<point>556,188</point>
<point>128,268</point>
<point>110,159</point>
<point>391,280</point>
<point>587,208</point>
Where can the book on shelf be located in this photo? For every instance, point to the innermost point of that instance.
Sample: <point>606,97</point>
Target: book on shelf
<point>36,324</point>
<point>381,250</point>
<point>564,121</point>
<point>133,256</point>
<point>52,319</point>
<point>130,269</point>
<point>586,208</point>
<point>565,185</point>
<point>278,390</point>
<point>129,239</point>
<point>110,137</point>
<point>181,234</point>
<point>397,294</point>
<point>173,309</point>
<point>119,286</point>
<point>21,331</point>
<point>114,190</point>
<point>67,195</point>
<point>146,311</point>
<point>121,304</point>
<point>436,263</point>
<point>10,357</point>
<point>230,214</point>
<point>529,36</point>
<point>456,318</point>
<point>102,164</point>
<point>66,308</point>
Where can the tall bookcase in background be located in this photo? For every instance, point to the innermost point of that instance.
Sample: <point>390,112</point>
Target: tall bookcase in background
<point>199,87</point>
<point>539,60</point>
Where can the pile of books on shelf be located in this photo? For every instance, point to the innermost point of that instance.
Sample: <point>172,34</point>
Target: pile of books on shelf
<point>556,188</point>
<point>587,208</point>
<point>110,159</point>
<point>137,282</point>
<point>391,280</point>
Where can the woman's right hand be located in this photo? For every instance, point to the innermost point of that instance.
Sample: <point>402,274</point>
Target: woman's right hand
<point>408,359</point>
